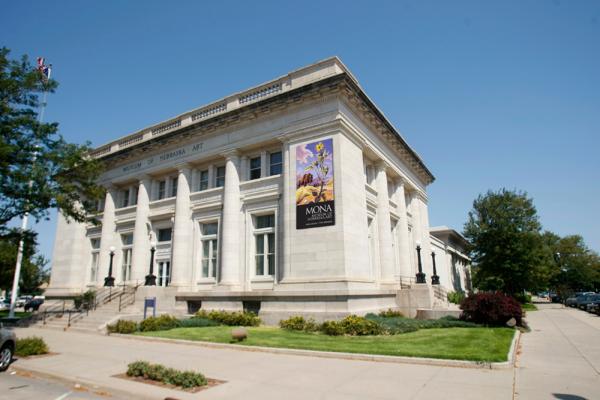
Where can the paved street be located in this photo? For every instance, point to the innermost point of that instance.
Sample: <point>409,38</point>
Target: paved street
<point>22,386</point>
<point>560,360</point>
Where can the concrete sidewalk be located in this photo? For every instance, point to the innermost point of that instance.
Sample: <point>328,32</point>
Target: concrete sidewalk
<point>94,359</point>
<point>559,358</point>
<point>561,355</point>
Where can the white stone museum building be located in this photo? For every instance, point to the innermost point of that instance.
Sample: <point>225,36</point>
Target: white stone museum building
<point>294,197</point>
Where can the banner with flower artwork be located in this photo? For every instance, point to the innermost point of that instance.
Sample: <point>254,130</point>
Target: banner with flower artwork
<point>314,185</point>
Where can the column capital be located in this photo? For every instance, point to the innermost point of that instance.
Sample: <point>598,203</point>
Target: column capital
<point>183,167</point>
<point>231,154</point>
<point>142,179</point>
<point>381,165</point>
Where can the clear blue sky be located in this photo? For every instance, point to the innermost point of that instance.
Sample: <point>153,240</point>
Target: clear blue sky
<point>490,95</point>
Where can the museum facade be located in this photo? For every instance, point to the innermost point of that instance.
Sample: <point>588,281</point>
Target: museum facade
<point>295,196</point>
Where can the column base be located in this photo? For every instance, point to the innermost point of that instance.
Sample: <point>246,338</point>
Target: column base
<point>109,281</point>
<point>150,280</point>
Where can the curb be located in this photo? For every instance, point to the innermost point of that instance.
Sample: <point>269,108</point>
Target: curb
<point>344,356</point>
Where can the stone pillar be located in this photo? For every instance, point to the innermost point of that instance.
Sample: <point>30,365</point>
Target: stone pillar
<point>141,240</point>
<point>245,169</point>
<point>264,170</point>
<point>386,251</point>
<point>108,235</point>
<point>426,238</point>
<point>230,259</point>
<point>421,231</point>
<point>287,208</point>
<point>211,176</point>
<point>404,246</point>
<point>181,265</point>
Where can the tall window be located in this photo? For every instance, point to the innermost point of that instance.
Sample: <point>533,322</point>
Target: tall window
<point>203,180</point>
<point>264,234</point>
<point>174,187</point>
<point>210,249</point>
<point>125,198</point>
<point>275,163</point>
<point>220,178</point>
<point>95,258</point>
<point>127,241</point>
<point>134,195</point>
<point>162,189</point>
<point>255,168</point>
<point>164,235</point>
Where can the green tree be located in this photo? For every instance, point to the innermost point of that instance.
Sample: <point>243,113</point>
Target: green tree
<point>33,269</point>
<point>506,246</point>
<point>575,267</point>
<point>62,173</point>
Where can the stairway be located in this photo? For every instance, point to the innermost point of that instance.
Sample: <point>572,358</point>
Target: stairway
<point>110,304</point>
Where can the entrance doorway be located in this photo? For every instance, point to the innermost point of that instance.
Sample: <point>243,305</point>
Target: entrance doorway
<point>164,273</point>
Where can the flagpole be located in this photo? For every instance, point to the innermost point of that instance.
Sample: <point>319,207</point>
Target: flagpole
<point>25,221</point>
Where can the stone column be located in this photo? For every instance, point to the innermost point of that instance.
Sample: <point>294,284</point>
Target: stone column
<point>230,259</point>
<point>287,208</point>
<point>264,168</point>
<point>181,266</point>
<point>211,176</point>
<point>421,231</point>
<point>404,246</point>
<point>141,240</point>
<point>426,239</point>
<point>386,251</point>
<point>108,232</point>
<point>245,169</point>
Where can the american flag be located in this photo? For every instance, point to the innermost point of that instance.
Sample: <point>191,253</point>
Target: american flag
<point>44,69</point>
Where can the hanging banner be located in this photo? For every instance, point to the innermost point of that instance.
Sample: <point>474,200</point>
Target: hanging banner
<point>314,185</point>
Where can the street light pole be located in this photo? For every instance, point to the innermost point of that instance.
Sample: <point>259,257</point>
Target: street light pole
<point>420,274</point>
<point>109,280</point>
<point>435,279</point>
<point>151,278</point>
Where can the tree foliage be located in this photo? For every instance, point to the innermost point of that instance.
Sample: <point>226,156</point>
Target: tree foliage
<point>33,267</point>
<point>575,267</point>
<point>506,246</point>
<point>62,173</point>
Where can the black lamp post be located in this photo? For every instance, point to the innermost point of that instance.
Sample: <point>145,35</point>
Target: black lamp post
<point>420,274</point>
<point>435,279</point>
<point>109,280</point>
<point>151,278</point>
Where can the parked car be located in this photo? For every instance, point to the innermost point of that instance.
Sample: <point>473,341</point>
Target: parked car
<point>593,306</point>
<point>584,300</point>
<point>21,300</point>
<point>575,298</point>
<point>33,304</point>
<point>8,341</point>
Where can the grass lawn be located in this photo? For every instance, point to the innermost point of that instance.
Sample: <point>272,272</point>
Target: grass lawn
<point>529,307</point>
<point>18,314</point>
<point>474,344</point>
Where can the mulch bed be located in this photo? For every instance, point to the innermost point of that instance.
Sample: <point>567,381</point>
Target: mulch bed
<point>211,383</point>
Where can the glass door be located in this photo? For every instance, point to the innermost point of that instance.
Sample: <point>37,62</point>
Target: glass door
<point>164,273</point>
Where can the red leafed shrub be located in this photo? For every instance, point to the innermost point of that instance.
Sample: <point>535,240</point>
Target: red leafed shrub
<point>490,308</point>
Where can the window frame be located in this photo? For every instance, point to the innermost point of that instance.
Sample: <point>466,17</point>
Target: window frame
<point>280,163</point>
<point>255,168</point>
<point>164,229</point>
<point>264,233</point>
<point>212,259</point>
<point>161,189</point>
<point>217,176</point>
<point>126,257</point>
<point>95,260</point>
<point>200,181</point>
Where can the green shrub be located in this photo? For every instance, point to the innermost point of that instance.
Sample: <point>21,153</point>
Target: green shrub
<point>332,328</point>
<point>197,322</point>
<point>161,323</point>
<point>390,313</point>
<point>31,346</point>
<point>160,373</point>
<point>298,323</point>
<point>122,326</point>
<point>85,300</point>
<point>230,318</point>
<point>396,325</point>
<point>455,297</point>
<point>523,298</point>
